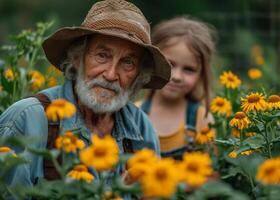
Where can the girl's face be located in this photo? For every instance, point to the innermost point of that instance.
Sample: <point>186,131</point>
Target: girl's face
<point>185,71</point>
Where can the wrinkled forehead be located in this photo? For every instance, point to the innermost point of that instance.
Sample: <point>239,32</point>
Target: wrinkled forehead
<point>114,44</point>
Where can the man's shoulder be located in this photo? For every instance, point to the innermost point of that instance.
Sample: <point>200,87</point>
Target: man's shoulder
<point>134,110</point>
<point>23,105</point>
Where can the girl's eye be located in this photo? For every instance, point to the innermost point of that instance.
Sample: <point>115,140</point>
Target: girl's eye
<point>189,70</point>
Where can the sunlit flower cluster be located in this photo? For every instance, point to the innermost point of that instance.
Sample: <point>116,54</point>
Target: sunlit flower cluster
<point>60,109</point>
<point>230,80</point>
<point>102,155</point>
<point>254,73</point>
<point>81,173</point>
<point>37,79</point>
<point>273,102</point>
<point>9,74</point>
<point>159,177</point>
<point>195,168</point>
<point>204,136</point>
<point>253,102</point>
<point>69,142</point>
<point>221,106</point>
<point>269,171</point>
<point>240,121</point>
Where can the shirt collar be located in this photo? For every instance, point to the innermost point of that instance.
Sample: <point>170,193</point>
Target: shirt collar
<point>124,126</point>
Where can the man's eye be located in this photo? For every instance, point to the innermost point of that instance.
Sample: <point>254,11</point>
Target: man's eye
<point>101,57</point>
<point>128,61</point>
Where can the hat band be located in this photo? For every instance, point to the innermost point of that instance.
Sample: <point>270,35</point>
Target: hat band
<point>132,29</point>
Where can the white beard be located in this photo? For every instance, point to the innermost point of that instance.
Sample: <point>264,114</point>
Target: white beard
<point>84,92</point>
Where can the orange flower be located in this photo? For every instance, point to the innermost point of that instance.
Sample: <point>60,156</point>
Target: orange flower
<point>69,142</point>
<point>80,172</point>
<point>240,121</point>
<point>60,109</point>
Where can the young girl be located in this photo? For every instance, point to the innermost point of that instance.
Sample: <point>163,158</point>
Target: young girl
<point>180,109</point>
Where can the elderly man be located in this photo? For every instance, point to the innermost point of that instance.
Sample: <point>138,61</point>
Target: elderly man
<point>106,60</point>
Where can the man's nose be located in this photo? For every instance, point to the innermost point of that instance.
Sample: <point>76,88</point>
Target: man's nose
<point>111,72</point>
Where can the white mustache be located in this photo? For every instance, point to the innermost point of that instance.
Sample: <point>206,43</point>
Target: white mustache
<point>115,86</point>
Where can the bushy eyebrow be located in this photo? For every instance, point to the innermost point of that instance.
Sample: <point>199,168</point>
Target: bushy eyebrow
<point>103,47</point>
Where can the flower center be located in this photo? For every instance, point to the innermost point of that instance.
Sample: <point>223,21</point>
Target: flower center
<point>220,102</point>
<point>161,174</point>
<point>253,98</point>
<point>274,99</point>
<point>100,152</point>
<point>192,167</point>
<point>80,168</point>
<point>204,131</point>
<point>239,115</point>
<point>269,171</point>
<point>231,78</point>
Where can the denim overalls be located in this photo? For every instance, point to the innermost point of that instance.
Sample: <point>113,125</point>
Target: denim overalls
<point>190,131</point>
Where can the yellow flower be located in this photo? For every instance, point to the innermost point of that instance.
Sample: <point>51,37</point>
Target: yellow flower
<point>7,150</point>
<point>9,74</point>
<point>205,135</point>
<point>161,179</point>
<point>37,80</point>
<point>273,102</point>
<point>250,134</point>
<point>60,109</point>
<point>232,154</point>
<point>103,154</point>
<point>247,153</point>
<point>236,133</point>
<point>69,142</point>
<point>269,171</point>
<point>240,121</point>
<point>254,73</point>
<point>80,172</point>
<point>230,80</point>
<point>253,102</point>
<point>52,82</point>
<point>221,106</point>
<point>195,168</point>
<point>137,164</point>
<point>259,60</point>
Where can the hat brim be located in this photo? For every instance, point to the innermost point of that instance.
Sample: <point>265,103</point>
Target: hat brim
<point>55,49</point>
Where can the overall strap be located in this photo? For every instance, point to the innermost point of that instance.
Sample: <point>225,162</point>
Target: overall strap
<point>191,114</point>
<point>146,105</point>
<point>50,172</point>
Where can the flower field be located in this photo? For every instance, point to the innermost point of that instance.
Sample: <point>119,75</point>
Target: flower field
<point>236,157</point>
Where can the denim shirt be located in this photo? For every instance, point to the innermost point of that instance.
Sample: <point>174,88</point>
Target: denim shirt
<point>26,117</point>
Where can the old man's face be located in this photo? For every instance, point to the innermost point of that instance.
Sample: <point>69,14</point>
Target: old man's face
<point>110,68</point>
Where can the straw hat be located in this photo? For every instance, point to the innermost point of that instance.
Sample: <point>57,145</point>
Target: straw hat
<point>117,18</point>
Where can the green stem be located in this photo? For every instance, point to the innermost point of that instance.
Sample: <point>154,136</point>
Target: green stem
<point>31,63</point>
<point>241,137</point>
<point>267,142</point>
<point>58,168</point>
<point>251,182</point>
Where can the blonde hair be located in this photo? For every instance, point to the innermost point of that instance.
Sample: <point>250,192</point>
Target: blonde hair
<point>200,38</point>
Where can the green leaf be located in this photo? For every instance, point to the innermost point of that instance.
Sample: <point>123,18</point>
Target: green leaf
<point>217,189</point>
<point>48,154</point>
<point>254,142</point>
